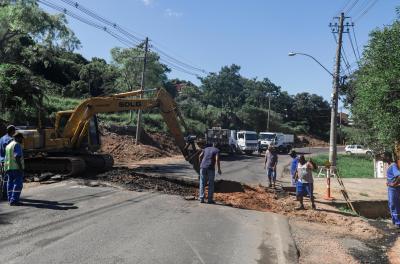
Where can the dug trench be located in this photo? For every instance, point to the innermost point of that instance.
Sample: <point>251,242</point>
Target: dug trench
<point>327,232</point>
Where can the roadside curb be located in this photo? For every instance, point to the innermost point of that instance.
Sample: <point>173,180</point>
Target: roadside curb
<point>288,252</point>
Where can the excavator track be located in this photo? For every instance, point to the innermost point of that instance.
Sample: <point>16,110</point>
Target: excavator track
<point>69,166</point>
<point>98,162</point>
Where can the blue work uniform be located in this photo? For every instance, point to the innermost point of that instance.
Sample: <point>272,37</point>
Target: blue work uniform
<point>207,172</point>
<point>4,140</point>
<point>15,176</point>
<point>293,169</point>
<point>393,193</point>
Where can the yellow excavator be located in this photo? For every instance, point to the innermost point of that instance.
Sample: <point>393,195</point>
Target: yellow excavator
<point>70,147</point>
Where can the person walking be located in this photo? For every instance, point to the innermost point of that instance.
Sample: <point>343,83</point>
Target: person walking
<point>393,185</point>
<point>305,182</point>
<point>14,169</point>
<point>293,166</point>
<point>4,141</point>
<point>271,161</point>
<point>208,158</point>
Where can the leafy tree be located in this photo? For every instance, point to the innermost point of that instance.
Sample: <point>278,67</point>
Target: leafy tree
<point>22,21</point>
<point>376,88</point>
<point>20,92</point>
<point>98,76</point>
<point>313,111</point>
<point>130,64</point>
<point>224,89</point>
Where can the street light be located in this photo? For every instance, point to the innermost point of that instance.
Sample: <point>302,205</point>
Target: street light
<point>333,131</point>
<point>291,54</point>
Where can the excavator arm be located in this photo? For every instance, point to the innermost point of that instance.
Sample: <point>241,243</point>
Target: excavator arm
<point>77,126</point>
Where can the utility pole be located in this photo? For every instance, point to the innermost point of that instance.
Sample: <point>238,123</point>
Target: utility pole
<point>335,92</point>
<point>269,110</point>
<point>142,85</point>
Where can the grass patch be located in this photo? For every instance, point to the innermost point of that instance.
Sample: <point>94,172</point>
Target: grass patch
<point>350,166</point>
<point>345,209</point>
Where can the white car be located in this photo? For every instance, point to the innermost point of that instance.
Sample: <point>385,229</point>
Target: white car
<point>357,149</point>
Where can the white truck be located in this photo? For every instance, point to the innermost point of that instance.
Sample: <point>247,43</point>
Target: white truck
<point>247,141</point>
<point>282,142</point>
<point>221,137</point>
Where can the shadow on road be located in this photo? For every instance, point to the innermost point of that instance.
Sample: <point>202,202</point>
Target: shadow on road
<point>238,157</point>
<point>53,205</point>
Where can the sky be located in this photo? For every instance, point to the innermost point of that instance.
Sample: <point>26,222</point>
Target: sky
<point>255,34</point>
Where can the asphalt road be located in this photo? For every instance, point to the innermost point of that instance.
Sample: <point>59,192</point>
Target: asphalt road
<point>241,168</point>
<point>72,223</point>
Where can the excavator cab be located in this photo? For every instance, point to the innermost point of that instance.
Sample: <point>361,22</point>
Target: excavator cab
<point>92,142</point>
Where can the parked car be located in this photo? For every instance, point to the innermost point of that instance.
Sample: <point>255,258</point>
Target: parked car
<point>357,149</point>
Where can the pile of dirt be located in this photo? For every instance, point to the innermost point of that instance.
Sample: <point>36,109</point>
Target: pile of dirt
<point>307,140</point>
<point>120,143</point>
<point>263,199</point>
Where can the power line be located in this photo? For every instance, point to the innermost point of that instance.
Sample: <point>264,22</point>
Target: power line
<point>87,21</point>
<point>355,40</point>
<point>361,7</point>
<point>351,7</point>
<point>352,47</point>
<point>344,7</point>
<point>177,61</point>
<point>366,10</point>
<point>182,65</point>
<point>102,19</point>
<point>344,57</point>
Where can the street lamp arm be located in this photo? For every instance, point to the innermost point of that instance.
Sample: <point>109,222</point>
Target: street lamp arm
<point>304,54</point>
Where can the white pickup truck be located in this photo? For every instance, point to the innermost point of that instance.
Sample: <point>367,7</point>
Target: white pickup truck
<point>282,142</point>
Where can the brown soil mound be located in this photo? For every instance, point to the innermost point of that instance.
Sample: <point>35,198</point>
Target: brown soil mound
<point>307,140</point>
<point>122,146</point>
<point>263,199</point>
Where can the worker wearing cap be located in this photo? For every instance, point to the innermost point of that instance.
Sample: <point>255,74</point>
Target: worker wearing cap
<point>393,185</point>
<point>293,166</point>
<point>4,141</point>
<point>14,168</point>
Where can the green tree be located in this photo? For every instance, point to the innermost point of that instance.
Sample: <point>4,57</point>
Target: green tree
<point>129,62</point>
<point>224,89</point>
<point>22,20</point>
<point>312,111</point>
<point>376,89</point>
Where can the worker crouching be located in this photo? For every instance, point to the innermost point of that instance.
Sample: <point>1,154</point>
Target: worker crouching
<point>14,169</point>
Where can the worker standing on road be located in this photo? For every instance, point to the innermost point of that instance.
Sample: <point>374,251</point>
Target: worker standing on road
<point>305,181</point>
<point>4,141</point>
<point>208,158</point>
<point>14,168</point>
<point>393,185</point>
<point>293,166</point>
<point>271,161</point>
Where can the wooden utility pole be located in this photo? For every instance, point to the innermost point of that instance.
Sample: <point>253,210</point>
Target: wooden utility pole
<point>335,92</point>
<point>269,110</point>
<point>142,85</point>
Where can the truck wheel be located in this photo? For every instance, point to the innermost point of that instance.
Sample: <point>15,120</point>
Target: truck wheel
<point>248,152</point>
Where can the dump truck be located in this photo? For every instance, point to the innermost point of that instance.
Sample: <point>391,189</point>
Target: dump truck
<point>282,142</point>
<point>71,146</point>
<point>222,138</point>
